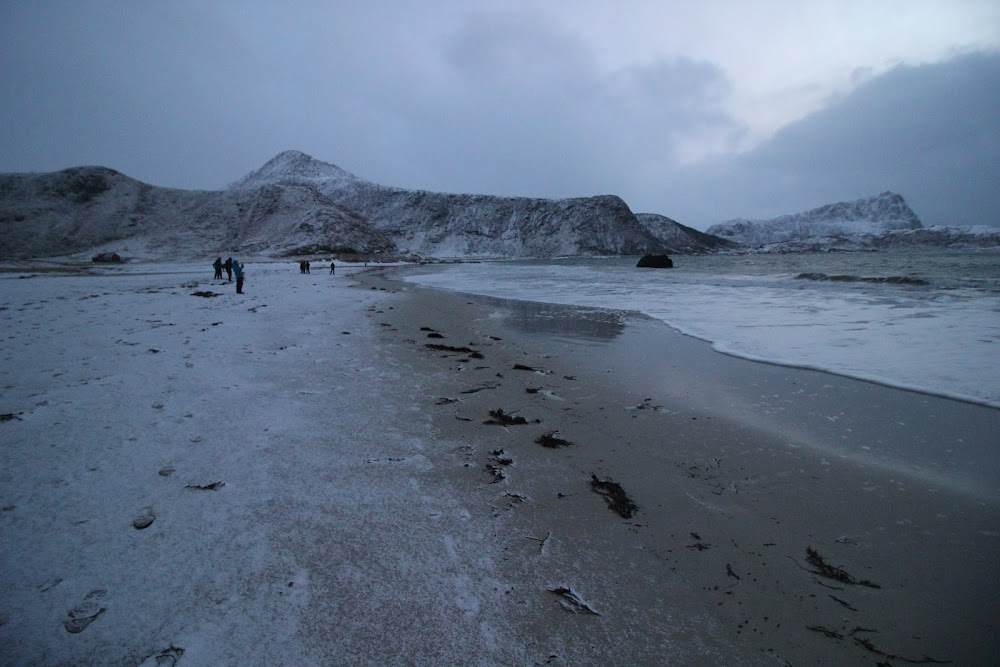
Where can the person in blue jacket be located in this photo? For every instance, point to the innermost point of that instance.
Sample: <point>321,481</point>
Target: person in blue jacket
<point>238,270</point>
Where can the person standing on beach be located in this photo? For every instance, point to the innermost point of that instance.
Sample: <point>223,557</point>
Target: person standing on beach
<point>238,270</point>
<point>229,268</point>
<point>217,265</point>
<point>333,267</point>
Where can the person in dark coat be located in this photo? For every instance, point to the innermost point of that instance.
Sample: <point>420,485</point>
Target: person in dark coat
<point>238,270</point>
<point>333,267</point>
<point>228,266</point>
<point>217,265</point>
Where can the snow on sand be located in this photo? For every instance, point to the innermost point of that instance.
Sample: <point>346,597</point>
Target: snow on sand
<point>223,479</point>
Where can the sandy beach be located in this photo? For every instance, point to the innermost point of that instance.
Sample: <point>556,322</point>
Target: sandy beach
<point>329,470</point>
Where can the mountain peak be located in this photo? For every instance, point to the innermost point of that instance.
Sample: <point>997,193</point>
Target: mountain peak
<point>293,167</point>
<point>873,215</point>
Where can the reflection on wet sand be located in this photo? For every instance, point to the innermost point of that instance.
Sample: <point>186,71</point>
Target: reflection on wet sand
<point>567,322</point>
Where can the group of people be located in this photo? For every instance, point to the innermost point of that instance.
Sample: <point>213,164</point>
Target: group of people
<point>232,267</point>
<point>304,266</point>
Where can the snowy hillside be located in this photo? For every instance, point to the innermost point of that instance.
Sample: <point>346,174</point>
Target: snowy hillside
<point>437,224</point>
<point>682,239</point>
<point>94,209</point>
<point>296,205</point>
<point>77,209</point>
<point>882,221</point>
<point>870,216</point>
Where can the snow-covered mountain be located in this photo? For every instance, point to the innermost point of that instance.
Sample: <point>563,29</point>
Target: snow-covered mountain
<point>871,215</point>
<point>680,238</point>
<point>876,222</point>
<point>294,205</point>
<point>448,225</point>
<point>94,209</point>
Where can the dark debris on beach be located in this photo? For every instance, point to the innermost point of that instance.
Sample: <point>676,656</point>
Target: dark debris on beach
<point>498,461</point>
<point>458,350</point>
<point>615,496</point>
<point>552,441</point>
<point>500,418</point>
<point>823,569</point>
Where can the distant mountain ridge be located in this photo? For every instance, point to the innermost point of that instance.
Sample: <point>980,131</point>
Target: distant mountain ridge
<point>877,222</point>
<point>297,205</point>
<point>437,224</point>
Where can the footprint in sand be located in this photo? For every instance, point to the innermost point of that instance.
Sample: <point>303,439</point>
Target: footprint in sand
<point>144,519</point>
<point>86,612</point>
<point>166,658</point>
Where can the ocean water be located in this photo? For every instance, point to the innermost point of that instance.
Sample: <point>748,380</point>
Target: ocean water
<point>922,320</point>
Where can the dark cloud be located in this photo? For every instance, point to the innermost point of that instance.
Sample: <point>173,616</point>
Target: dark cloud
<point>523,108</point>
<point>931,133</point>
<point>194,95</point>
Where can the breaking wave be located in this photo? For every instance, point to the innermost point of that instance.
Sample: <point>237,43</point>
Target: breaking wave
<point>891,280</point>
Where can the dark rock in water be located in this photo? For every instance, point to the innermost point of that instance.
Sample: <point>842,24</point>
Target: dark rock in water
<point>655,262</point>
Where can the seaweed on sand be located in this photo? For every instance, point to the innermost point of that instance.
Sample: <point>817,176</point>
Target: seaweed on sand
<point>460,350</point>
<point>615,496</point>
<point>500,418</point>
<point>552,441</point>
<point>824,569</point>
<point>495,467</point>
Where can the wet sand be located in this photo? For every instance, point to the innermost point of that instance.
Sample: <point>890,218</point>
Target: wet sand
<point>785,516</point>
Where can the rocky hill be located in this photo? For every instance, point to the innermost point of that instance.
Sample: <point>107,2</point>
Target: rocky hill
<point>437,224</point>
<point>682,239</point>
<point>882,221</point>
<point>869,216</point>
<point>93,209</point>
<point>294,205</point>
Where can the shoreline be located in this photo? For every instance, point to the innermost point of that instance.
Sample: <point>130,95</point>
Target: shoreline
<point>323,488</point>
<point>932,340</point>
<point>748,456</point>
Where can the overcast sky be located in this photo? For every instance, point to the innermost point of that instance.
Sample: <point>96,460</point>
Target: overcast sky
<point>701,111</point>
